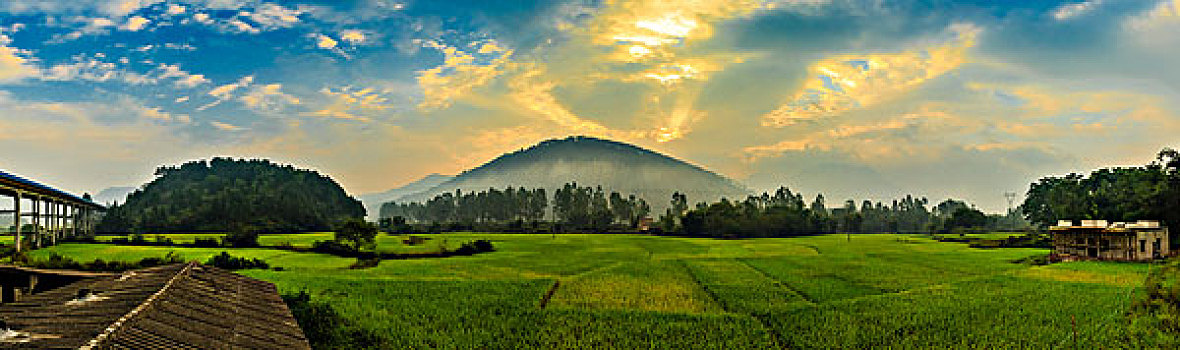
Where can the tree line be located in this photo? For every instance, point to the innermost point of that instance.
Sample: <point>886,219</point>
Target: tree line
<point>572,205</point>
<point>1149,192</point>
<point>783,213</point>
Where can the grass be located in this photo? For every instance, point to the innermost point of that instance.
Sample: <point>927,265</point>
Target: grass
<point>630,291</point>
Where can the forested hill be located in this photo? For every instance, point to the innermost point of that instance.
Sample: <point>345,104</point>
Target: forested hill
<point>224,193</point>
<point>588,161</point>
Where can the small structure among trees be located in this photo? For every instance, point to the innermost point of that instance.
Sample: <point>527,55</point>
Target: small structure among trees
<point>1098,240</point>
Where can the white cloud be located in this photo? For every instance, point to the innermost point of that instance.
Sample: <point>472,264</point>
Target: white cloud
<point>271,16</point>
<point>135,24</point>
<point>350,104</point>
<point>460,72</point>
<point>202,18</point>
<point>14,62</point>
<point>1166,13</point>
<point>225,92</point>
<point>84,26</point>
<point>324,41</point>
<point>354,37</point>
<point>94,70</point>
<point>242,27</point>
<point>113,8</point>
<point>174,9</point>
<point>268,98</point>
<point>183,79</point>
<point>841,83</point>
<point>1072,10</point>
<point>225,126</point>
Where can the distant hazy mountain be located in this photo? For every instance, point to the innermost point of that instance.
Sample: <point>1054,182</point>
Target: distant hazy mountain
<point>588,161</point>
<point>373,201</point>
<point>113,194</point>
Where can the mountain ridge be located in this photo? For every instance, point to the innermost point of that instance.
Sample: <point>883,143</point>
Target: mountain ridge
<point>589,161</point>
<point>373,201</point>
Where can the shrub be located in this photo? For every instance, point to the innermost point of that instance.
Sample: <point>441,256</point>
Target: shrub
<point>331,247</point>
<point>325,328</point>
<point>138,239</point>
<point>228,262</point>
<point>57,261</point>
<point>472,248</point>
<point>242,236</point>
<point>161,240</point>
<point>206,243</point>
<point>169,258</point>
<point>365,263</point>
<point>1155,315</point>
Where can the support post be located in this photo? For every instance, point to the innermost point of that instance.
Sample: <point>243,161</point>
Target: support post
<point>73,221</point>
<point>54,224</point>
<point>16,221</point>
<point>36,222</point>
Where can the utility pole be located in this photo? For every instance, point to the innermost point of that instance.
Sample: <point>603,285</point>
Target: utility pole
<point>1011,197</point>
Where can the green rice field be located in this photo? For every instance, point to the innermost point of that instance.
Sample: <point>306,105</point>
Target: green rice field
<point>632,291</point>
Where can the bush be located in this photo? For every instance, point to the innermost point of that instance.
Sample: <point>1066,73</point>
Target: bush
<point>332,247</point>
<point>325,328</point>
<point>414,240</point>
<point>57,261</point>
<point>1155,315</point>
<point>483,245</point>
<point>472,248</point>
<point>242,236</point>
<point>365,263</point>
<point>161,240</point>
<point>228,262</point>
<point>1035,260</point>
<point>206,243</point>
<point>170,258</point>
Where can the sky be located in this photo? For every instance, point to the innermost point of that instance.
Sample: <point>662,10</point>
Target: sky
<point>855,99</point>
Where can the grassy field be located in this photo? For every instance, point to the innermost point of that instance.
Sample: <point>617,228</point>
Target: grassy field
<point>629,291</point>
<point>385,243</point>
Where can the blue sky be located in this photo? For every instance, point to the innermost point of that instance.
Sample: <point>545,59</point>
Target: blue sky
<point>853,98</point>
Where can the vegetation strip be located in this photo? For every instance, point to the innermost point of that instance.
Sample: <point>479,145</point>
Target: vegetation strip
<point>549,294</point>
<point>697,280</point>
<point>779,283</point>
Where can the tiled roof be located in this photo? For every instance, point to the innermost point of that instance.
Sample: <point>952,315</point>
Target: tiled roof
<point>182,306</point>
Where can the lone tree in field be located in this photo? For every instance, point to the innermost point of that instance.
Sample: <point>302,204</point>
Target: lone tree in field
<point>225,193</point>
<point>357,235</point>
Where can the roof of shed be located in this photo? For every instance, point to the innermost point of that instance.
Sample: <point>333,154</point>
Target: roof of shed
<point>181,306</point>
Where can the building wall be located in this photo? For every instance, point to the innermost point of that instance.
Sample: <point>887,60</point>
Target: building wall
<point>1105,245</point>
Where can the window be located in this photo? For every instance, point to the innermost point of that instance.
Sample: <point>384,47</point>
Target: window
<point>1143,245</point>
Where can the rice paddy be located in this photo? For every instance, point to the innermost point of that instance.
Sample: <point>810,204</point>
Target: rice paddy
<point>631,291</point>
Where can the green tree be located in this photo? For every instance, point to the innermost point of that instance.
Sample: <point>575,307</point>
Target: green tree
<point>966,218</point>
<point>357,234</point>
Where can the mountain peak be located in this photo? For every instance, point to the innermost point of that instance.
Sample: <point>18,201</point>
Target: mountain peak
<point>590,161</point>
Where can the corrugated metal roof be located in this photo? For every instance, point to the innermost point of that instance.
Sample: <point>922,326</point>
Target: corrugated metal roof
<point>20,183</point>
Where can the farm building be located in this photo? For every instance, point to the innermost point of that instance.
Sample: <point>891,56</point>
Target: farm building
<point>180,306</point>
<point>1098,240</point>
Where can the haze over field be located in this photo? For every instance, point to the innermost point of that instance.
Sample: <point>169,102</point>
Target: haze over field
<point>855,99</point>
